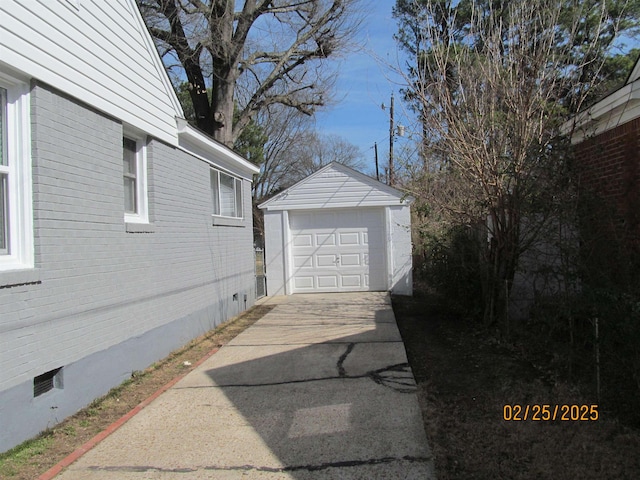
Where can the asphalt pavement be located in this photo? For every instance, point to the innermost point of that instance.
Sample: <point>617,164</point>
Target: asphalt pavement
<point>318,388</point>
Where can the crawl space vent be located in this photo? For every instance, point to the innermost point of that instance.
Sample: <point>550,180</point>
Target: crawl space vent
<point>47,381</point>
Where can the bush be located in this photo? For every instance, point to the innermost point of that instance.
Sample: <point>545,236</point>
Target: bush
<point>564,329</point>
<point>450,267</point>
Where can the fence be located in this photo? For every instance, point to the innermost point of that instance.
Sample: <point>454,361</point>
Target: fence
<point>261,276</point>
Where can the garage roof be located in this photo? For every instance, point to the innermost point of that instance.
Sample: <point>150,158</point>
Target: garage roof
<point>336,186</point>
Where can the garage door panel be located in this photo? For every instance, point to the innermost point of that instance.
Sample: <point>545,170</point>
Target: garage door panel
<point>350,260</point>
<point>327,281</point>
<point>346,251</point>
<point>302,240</point>
<point>302,261</point>
<point>325,239</point>
<point>374,236</point>
<point>325,260</point>
<point>350,238</point>
<point>303,283</point>
<point>352,281</point>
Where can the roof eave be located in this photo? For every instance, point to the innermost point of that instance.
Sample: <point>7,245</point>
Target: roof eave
<point>628,95</point>
<point>191,135</point>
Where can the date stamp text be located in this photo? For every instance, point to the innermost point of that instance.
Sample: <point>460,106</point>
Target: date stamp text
<point>546,413</point>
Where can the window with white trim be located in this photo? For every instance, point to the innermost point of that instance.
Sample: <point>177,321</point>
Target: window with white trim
<point>4,176</point>
<point>134,157</point>
<point>226,192</point>
<point>16,209</point>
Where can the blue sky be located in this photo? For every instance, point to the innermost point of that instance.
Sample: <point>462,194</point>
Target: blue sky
<point>365,81</point>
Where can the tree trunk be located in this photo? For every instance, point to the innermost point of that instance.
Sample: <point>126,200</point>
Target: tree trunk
<point>222,108</point>
<point>501,260</point>
<point>225,71</point>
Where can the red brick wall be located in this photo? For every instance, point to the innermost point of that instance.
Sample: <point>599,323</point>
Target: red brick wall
<point>608,173</point>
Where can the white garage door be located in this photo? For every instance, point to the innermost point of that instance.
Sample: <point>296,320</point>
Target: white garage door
<point>338,250</point>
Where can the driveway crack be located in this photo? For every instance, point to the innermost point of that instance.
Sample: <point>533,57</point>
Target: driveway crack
<point>397,377</point>
<point>244,468</point>
<point>341,370</point>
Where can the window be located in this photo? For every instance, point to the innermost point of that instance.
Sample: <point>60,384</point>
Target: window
<point>4,175</point>
<point>134,159</point>
<point>227,195</point>
<point>16,209</point>
<point>130,155</point>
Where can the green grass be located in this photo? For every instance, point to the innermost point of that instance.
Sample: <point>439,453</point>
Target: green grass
<point>12,460</point>
<point>69,430</point>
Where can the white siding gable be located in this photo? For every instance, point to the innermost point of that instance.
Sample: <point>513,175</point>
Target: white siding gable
<point>96,51</point>
<point>336,186</point>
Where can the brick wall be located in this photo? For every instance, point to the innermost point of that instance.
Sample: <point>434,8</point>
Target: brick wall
<point>102,286</point>
<point>609,178</point>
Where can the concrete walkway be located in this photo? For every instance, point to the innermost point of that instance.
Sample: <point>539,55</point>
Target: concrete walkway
<point>318,388</point>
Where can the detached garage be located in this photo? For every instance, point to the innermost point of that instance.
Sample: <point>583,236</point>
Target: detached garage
<point>338,231</point>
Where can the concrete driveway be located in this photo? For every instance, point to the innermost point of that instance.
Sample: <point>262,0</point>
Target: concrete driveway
<point>318,388</point>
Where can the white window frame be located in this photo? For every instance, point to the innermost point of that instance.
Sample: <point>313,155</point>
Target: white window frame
<point>17,131</point>
<point>142,200</point>
<point>216,195</point>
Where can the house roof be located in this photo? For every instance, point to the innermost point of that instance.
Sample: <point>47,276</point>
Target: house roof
<point>203,146</point>
<point>635,73</point>
<point>617,108</point>
<point>336,186</point>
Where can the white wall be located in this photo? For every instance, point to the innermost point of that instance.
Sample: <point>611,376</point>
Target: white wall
<point>401,250</point>
<point>274,252</point>
<point>96,51</point>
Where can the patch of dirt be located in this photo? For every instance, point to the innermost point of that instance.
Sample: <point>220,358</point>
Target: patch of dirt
<point>465,378</point>
<point>73,432</point>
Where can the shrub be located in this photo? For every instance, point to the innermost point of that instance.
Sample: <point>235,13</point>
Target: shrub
<point>564,328</point>
<point>450,267</point>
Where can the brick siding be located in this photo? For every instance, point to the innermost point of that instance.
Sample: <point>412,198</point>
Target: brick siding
<point>609,178</point>
<point>100,285</point>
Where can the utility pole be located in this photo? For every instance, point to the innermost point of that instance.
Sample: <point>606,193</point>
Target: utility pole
<point>391,142</point>
<point>375,148</point>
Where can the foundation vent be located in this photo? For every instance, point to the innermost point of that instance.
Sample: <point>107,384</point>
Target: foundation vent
<point>47,381</point>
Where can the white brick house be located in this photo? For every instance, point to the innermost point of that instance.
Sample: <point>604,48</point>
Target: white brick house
<point>124,232</point>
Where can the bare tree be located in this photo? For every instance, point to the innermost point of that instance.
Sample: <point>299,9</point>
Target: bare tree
<point>295,150</point>
<point>285,128</point>
<point>315,151</point>
<point>275,49</point>
<point>493,90</point>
